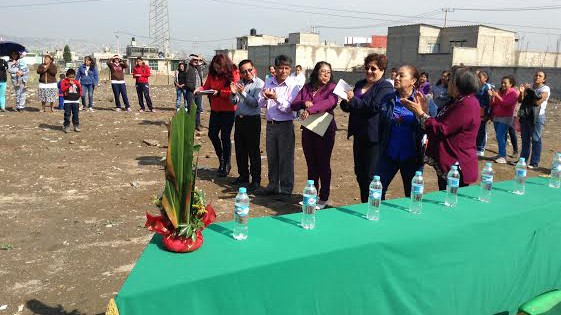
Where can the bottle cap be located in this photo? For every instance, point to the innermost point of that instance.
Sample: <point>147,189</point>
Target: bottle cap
<point>242,190</point>
<point>454,167</point>
<point>310,181</point>
<point>418,173</point>
<point>376,177</point>
<point>488,164</point>
<point>522,160</point>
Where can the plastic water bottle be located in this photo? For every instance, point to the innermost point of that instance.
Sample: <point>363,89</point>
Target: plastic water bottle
<point>520,177</point>
<point>374,199</point>
<point>241,214</point>
<point>417,189</point>
<point>555,179</point>
<point>486,182</point>
<point>452,186</point>
<point>309,204</point>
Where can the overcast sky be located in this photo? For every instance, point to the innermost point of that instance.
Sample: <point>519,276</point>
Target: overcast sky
<point>220,21</point>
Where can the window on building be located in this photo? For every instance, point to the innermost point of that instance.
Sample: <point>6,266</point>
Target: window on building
<point>153,64</point>
<point>457,43</point>
<point>433,48</point>
<point>174,64</point>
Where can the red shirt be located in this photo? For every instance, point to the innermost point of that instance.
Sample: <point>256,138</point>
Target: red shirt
<point>221,101</point>
<point>452,137</point>
<point>141,73</point>
<point>504,104</point>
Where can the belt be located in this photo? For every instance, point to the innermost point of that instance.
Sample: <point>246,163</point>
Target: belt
<point>278,122</point>
<point>248,116</point>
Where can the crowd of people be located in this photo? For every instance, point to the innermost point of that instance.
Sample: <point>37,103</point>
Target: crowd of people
<point>398,124</point>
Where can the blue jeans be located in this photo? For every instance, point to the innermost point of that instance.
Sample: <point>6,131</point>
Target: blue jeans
<point>532,139</point>
<point>481,139</point>
<point>198,101</point>
<point>87,88</point>
<point>2,95</point>
<point>120,89</point>
<point>501,131</point>
<point>180,93</point>
<point>387,168</point>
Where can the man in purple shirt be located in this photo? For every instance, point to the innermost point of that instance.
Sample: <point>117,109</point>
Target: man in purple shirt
<point>276,97</point>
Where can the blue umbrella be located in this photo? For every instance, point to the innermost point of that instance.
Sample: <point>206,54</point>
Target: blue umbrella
<point>7,47</point>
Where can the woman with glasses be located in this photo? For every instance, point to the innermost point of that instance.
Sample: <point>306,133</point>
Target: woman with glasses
<point>316,97</point>
<point>452,133</point>
<point>364,105</point>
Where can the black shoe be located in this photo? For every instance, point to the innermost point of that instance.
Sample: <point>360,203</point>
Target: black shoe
<point>227,168</point>
<point>221,166</point>
<point>283,197</point>
<point>240,181</point>
<point>265,192</point>
<point>254,186</point>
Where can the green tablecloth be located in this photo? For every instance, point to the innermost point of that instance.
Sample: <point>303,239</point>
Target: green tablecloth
<point>476,258</point>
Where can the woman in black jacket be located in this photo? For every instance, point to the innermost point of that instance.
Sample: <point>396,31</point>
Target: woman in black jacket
<point>364,104</point>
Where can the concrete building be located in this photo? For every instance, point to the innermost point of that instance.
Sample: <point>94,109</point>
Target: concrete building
<point>152,57</point>
<point>305,49</point>
<point>433,49</point>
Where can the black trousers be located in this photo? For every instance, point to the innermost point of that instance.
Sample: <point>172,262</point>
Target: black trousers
<point>143,91</point>
<point>219,132</point>
<point>366,155</point>
<point>247,140</point>
<point>71,109</point>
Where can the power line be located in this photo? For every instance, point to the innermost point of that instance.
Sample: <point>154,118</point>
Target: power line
<point>551,7</point>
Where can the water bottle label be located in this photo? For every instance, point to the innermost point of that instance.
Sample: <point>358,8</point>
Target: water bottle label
<point>418,189</point>
<point>242,211</point>
<point>310,200</point>
<point>521,173</point>
<point>453,182</point>
<point>487,179</point>
<point>375,193</point>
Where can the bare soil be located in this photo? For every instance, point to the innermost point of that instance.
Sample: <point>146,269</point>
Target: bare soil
<point>72,205</point>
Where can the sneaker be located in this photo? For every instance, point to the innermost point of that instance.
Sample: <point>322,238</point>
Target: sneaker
<point>77,128</point>
<point>129,109</point>
<point>500,160</point>
<point>531,167</point>
<point>141,110</point>
<point>2,110</point>
<point>253,186</point>
<point>118,109</point>
<point>153,110</point>
<point>66,129</point>
<point>480,153</point>
<point>91,109</point>
<point>321,205</point>
<point>83,108</point>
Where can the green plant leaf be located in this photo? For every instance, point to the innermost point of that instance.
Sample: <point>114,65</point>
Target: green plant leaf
<point>179,173</point>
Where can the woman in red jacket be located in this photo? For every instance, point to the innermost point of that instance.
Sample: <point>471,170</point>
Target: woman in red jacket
<point>503,103</point>
<point>141,73</point>
<point>452,133</point>
<point>222,111</point>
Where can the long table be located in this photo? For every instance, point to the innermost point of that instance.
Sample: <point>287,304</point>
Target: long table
<point>475,258</point>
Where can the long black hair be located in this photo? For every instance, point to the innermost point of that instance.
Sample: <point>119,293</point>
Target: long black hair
<point>314,77</point>
<point>92,62</point>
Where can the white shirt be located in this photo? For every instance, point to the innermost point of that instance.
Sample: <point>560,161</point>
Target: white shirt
<point>544,88</point>
<point>87,69</point>
<point>299,80</point>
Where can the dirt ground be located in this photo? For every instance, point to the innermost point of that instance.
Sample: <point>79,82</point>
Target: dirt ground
<point>72,205</point>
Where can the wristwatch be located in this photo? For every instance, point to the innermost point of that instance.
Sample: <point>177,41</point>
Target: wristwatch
<point>424,118</point>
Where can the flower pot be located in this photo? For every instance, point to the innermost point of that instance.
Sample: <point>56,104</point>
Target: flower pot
<point>181,244</point>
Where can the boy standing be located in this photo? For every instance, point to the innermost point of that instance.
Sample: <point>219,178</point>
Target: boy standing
<point>72,91</point>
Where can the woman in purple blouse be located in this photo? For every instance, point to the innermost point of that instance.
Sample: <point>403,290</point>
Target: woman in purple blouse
<point>316,97</point>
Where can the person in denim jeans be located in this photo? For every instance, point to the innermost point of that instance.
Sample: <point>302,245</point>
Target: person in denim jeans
<point>531,127</point>
<point>484,102</point>
<point>194,80</point>
<point>503,103</point>
<point>89,78</point>
<point>180,88</point>
<point>3,80</point>
<point>19,73</point>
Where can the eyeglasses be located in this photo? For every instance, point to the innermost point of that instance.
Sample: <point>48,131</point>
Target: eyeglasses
<point>250,70</point>
<point>372,69</point>
<point>323,71</point>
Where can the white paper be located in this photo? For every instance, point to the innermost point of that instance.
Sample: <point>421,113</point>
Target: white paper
<point>318,123</point>
<point>342,88</point>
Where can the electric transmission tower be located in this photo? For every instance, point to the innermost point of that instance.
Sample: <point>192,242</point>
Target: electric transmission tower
<point>159,25</point>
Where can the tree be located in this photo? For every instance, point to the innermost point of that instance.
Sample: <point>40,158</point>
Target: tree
<point>66,55</point>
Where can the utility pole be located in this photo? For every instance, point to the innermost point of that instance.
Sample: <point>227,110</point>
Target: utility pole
<point>159,25</point>
<point>446,10</point>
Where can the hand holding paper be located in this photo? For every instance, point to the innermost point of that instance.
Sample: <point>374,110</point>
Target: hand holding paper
<point>342,88</point>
